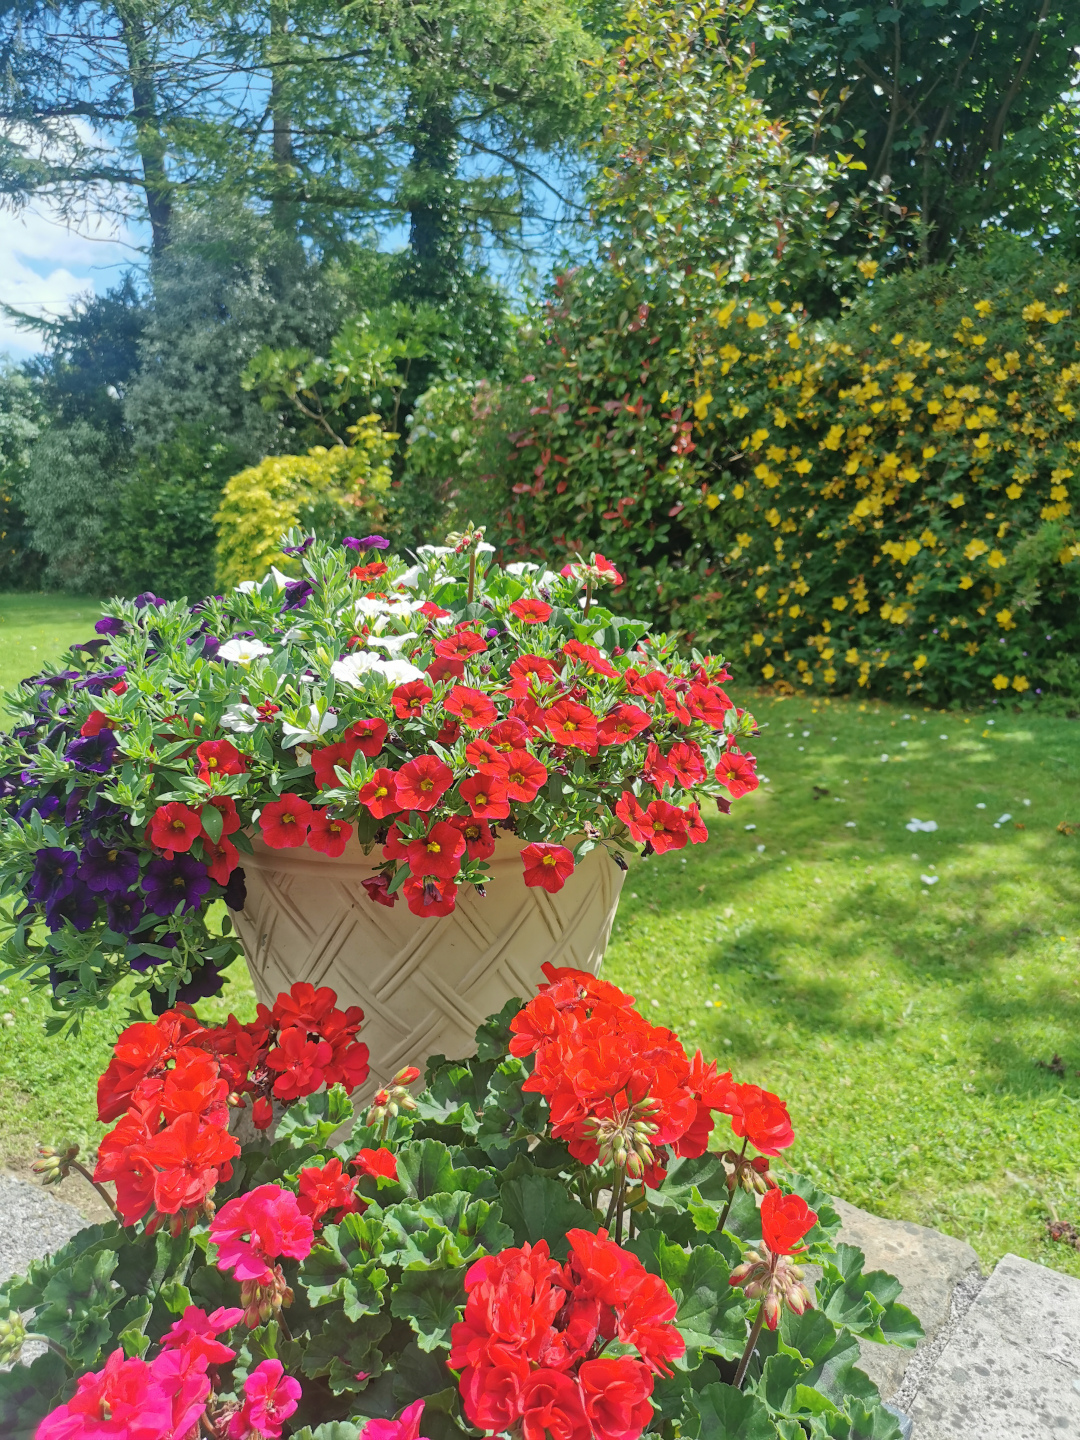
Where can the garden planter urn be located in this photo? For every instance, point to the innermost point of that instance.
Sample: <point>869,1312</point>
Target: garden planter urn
<point>424,985</point>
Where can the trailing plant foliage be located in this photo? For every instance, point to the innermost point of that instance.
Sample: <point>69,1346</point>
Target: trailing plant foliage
<point>332,490</point>
<point>418,708</point>
<point>541,1242</point>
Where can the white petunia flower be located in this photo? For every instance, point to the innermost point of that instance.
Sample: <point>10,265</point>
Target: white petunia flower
<point>318,725</point>
<point>243,651</point>
<point>400,672</point>
<point>389,642</point>
<point>363,662</point>
<point>521,567</point>
<point>241,719</point>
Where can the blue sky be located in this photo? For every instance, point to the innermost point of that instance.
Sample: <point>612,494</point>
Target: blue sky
<point>44,265</point>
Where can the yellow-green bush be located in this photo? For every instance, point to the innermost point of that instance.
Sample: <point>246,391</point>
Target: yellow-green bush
<point>333,491</point>
<point>901,492</point>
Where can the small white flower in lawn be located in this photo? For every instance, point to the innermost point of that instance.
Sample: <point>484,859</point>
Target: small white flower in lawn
<point>942,737</point>
<point>24,1001</point>
<point>729,912</point>
<point>851,824</point>
<point>655,1004</point>
<point>1027,802</point>
<point>761,849</point>
<point>806,734</point>
<point>708,1005</point>
<point>4,990</point>
<point>817,879</point>
<point>802,747</point>
<point>833,739</point>
<point>905,717</point>
<point>928,825</point>
<point>727,1043</point>
<point>990,722</point>
<point>764,779</point>
<point>749,827</point>
<point>1002,818</point>
<point>633,894</point>
<point>903,744</point>
<point>929,879</point>
<point>980,804</point>
<point>787,868</point>
<point>7,1015</point>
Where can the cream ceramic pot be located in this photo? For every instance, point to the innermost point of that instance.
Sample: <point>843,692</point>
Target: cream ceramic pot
<point>424,985</point>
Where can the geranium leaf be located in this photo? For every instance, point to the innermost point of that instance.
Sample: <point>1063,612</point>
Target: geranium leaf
<point>28,1393</point>
<point>875,1423</point>
<point>537,1207</point>
<point>331,1430</point>
<point>493,1036</point>
<point>430,1300</point>
<point>725,1413</point>
<point>778,1380</point>
<point>451,1228</point>
<point>341,1354</point>
<point>899,1326</point>
<point>344,1266</point>
<point>691,1181</point>
<point>312,1120</point>
<point>712,1313</point>
<point>426,1167</point>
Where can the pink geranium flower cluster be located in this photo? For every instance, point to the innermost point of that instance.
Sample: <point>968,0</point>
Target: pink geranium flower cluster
<point>166,1398</point>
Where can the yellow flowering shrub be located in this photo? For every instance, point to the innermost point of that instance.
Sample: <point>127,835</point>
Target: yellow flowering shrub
<point>900,503</point>
<point>333,491</point>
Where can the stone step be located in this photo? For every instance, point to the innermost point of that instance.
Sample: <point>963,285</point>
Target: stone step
<point>1009,1368</point>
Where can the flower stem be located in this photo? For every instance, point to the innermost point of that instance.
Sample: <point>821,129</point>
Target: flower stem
<point>76,1165</point>
<point>588,601</point>
<point>727,1208</point>
<point>472,576</point>
<point>44,1339</point>
<point>754,1333</point>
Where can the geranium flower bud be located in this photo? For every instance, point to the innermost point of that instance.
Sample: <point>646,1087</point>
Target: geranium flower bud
<point>54,1165</point>
<point>773,1310</point>
<point>12,1336</point>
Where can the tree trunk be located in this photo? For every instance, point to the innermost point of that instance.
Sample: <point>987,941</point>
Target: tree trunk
<point>434,224</point>
<point>150,142</point>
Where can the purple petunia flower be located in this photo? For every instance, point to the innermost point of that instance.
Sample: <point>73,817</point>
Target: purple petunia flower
<point>109,625</point>
<point>369,542</point>
<point>142,963</point>
<point>297,594</point>
<point>53,682</point>
<point>299,549</point>
<point>93,752</point>
<point>168,883</point>
<point>54,874</point>
<point>43,804</point>
<point>204,983</point>
<point>91,646</point>
<point>124,911</point>
<point>236,890</point>
<point>96,684</point>
<point>107,867</point>
<point>148,598</point>
<point>72,805</point>
<point>80,907</point>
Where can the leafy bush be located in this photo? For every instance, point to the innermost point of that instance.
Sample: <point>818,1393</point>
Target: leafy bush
<point>329,490</point>
<point>540,1242</point>
<point>163,531</point>
<point>69,497</point>
<point>903,490</point>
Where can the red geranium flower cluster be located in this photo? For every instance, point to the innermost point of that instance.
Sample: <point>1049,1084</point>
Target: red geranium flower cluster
<point>622,1091</point>
<point>529,1345</point>
<point>171,1082</point>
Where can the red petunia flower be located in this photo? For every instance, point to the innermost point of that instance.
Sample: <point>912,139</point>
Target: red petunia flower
<point>174,826</point>
<point>325,759</point>
<point>589,659</point>
<point>368,736</point>
<point>409,699</point>
<point>656,768</point>
<point>524,775</point>
<point>421,783</point>
<point>438,853</point>
<point>665,826</point>
<point>430,897</point>
<point>571,724</point>
<point>785,1219</point>
<point>230,818</point>
<point>708,703</point>
<point>531,612</point>
<point>219,757</point>
<point>445,668</point>
<point>736,773</point>
<point>696,827</point>
<point>509,734</point>
<point>685,761</point>
<point>222,859</point>
<point>479,841</point>
<point>448,732</point>
<point>97,721</point>
<point>431,611</point>
<point>462,645</point>
<point>762,1118</point>
<point>631,814</point>
<point>486,794</point>
<point>378,889</point>
<point>523,669</point>
<point>622,724</point>
<point>284,822</point>
<point>380,794</point>
<point>480,752</point>
<point>547,867</point>
<point>328,835</point>
<point>371,571</point>
<point>472,707</point>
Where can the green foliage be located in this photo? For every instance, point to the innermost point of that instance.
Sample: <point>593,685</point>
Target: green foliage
<point>163,531</point>
<point>20,424</point>
<point>971,110</point>
<point>329,490</point>
<point>69,496</point>
<point>371,1313</point>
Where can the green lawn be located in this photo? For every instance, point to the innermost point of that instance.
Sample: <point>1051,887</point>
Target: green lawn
<point>910,1025</point>
<point>37,628</point>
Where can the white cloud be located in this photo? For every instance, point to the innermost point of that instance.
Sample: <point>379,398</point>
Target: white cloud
<point>45,265</point>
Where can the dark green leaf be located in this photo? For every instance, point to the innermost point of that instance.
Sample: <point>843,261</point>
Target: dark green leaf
<point>729,1414</point>
<point>430,1300</point>
<point>537,1207</point>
